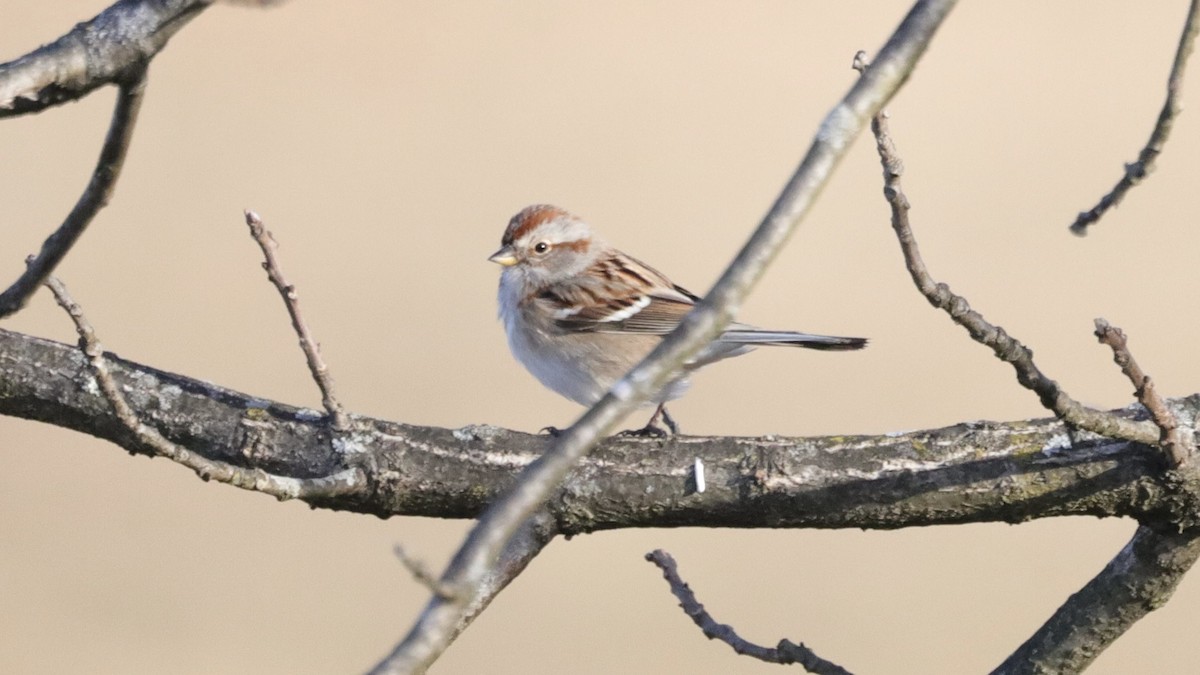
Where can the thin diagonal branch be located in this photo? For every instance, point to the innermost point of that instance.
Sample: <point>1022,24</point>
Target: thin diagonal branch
<point>1140,579</point>
<point>1006,347</point>
<point>346,482</point>
<point>113,47</point>
<point>1177,443</point>
<point>1137,171</point>
<point>312,351</point>
<point>431,633</point>
<point>785,653</point>
<point>95,196</point>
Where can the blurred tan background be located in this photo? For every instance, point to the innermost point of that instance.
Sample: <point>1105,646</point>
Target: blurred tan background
<point>387,143</point>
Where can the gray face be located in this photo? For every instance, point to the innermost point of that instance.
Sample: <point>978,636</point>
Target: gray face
<point>554,251</point>
<point>546,244</point>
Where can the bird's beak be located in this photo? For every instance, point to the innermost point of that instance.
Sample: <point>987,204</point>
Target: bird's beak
<point>505,256</point>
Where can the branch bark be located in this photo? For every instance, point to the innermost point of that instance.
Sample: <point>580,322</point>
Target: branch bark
<point>111,48</point>
<point>1139,580</point>
<point>971,472</point>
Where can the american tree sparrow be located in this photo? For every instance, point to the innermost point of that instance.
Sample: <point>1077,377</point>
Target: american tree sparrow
<point>579,313</point>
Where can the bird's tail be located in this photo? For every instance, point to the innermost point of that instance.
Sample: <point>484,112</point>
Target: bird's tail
<point>754,336</point>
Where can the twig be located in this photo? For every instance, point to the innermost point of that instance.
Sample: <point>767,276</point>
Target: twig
<point>312,351</point>
<point>420,572</point>
<point>433,630</point>
<point>534,535</point>
<point>1137,171</point>
<point>1177,445</point>
<point>345,482</point>
<point>1138,580</point>
<point>112,47</point>
<point>1006,347</point>
<point>95,197</point>
<point>785,653</point>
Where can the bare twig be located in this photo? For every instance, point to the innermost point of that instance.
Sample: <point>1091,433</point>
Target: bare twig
<point>312,351</point>
<point>113,47</point>
<point>432,632</point>
<point>785,653</point>
<point>1137,171</point>
<point>1140,579</point>
<point>1006,347</point>
<point>529,541</point>
<point>1176,443</point>
<point>95,197</point>
<point>420,571</point>
<point>345,482</point>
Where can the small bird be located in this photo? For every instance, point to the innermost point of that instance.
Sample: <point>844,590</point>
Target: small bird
<point>579,314</point>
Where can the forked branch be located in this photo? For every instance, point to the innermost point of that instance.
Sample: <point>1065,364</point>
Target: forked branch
<point>95,196</point>
<point>1177,443</point>
<point>1005,347</point>
<point>348,481</point>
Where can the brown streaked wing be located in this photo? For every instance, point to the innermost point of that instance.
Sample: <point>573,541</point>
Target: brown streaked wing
<point>624,286</point>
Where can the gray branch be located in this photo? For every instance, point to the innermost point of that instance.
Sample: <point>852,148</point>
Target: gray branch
<point>95,196</point>
<point>111,48</point>
<point>970,472</point>
<point>1139,580</point>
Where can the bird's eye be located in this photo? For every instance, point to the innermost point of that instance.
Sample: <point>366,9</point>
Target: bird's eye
<point>541,247</point>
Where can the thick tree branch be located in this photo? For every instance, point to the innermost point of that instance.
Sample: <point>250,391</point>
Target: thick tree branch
<point>785,653</point>
<point>113,47</point>
<point>1137,171</point>
<point>1139,580</point>
<point>95,196</point>
<point>973,472</point>
<point>430,635</point>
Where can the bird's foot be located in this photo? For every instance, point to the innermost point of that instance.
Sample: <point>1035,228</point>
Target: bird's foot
<point>652,428</point>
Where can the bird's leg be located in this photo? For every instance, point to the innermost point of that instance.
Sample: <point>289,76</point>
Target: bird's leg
<point>652,428</point>
<point>667,419</point>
